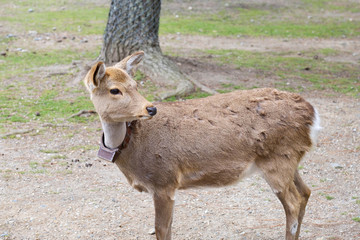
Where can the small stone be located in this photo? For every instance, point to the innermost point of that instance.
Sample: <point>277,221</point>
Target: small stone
<point>30,10</point>
<point>151,231</point>
<point>336,166</point>
<point>76,62</point>
<point>54,28</point>
<point>73,38</point>
<point>3,54</point>
<point>37,114</point>
<point>64,37</point>
<point>32,33</point>
<point>88,164</point>
<point>59,40</point>
<point>10,35</point>
<point>38,39</point>
<point>84,40</point>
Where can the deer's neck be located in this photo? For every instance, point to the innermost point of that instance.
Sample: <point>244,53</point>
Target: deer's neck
<point>114,133</point>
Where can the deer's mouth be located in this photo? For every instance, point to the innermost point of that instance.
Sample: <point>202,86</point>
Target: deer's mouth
<point>145,117</point>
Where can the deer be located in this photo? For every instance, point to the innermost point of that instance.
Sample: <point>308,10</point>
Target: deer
<point>208,142</point>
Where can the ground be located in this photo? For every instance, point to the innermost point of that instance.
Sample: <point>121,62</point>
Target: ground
<point>54,187</point>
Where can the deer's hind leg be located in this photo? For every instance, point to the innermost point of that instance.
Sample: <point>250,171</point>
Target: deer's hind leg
<point>305,194</point>
<point>280,175</point>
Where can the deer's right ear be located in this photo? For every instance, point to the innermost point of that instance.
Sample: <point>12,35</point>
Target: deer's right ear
<point>94,76</point>
<point>130,62</point>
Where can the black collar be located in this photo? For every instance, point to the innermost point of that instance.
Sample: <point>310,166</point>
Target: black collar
<point>110,153</point>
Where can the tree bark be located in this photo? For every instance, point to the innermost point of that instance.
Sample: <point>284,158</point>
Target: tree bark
<point>133,25</point>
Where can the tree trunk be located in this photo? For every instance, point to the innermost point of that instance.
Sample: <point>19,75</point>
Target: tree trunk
<point>133,25</point>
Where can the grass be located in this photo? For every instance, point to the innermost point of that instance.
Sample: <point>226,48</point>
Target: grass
<point>45,108</point>
<point>320,74</point>
<point>328,197</point>
<point>33,165</point>
<point>19,63</point>
<point>28,97</point>
<point>200,25</point>
<point>79,20</point>
<point>49,151</point>
<point>251,20</point>
<point>262,21</point>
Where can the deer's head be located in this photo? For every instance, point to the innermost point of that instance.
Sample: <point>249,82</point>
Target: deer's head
<point>114,93</point>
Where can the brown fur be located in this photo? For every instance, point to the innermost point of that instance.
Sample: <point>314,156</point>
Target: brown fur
<point>212,141</point>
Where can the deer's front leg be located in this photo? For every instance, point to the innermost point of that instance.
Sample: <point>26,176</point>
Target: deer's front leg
<point>164,206</point>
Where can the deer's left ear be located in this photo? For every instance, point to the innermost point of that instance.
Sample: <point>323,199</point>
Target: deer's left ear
<point>130,62</point>
<point>94,76</point>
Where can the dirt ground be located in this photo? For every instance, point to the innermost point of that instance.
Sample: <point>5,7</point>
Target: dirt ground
<point>54,187</point>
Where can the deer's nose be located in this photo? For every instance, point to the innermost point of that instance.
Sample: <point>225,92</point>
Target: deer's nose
<point>151,110</point>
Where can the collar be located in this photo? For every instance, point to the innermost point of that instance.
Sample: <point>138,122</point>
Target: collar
<point>110,153</point>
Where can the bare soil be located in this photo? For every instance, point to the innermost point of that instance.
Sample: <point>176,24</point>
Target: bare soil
<point>54,187</point>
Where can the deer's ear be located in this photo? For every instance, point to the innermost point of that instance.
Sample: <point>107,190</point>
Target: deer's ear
<point>94,76</point>
<point>130,62</point>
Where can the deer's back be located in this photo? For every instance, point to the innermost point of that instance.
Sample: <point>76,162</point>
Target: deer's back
<point>219,136</point>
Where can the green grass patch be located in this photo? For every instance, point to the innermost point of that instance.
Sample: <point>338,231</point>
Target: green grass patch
<point>356,219</point>
<point>197,94</point>
<point>258,24</point>
<point>23,101</point>
<point>59,157</point>
<point>45,108</point>
<point>19,63</point>
<point>48,151</point>
<point>320,74</point>
<point>77,19</point>
<point>328,197</point>
<point>33,165</point>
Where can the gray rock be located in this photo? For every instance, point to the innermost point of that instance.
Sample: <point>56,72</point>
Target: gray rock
<point>336,165</point>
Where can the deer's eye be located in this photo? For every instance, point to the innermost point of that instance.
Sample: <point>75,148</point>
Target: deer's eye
<point>115,91</point>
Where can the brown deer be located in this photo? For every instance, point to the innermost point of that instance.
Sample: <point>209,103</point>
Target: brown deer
<point>213,141</point>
